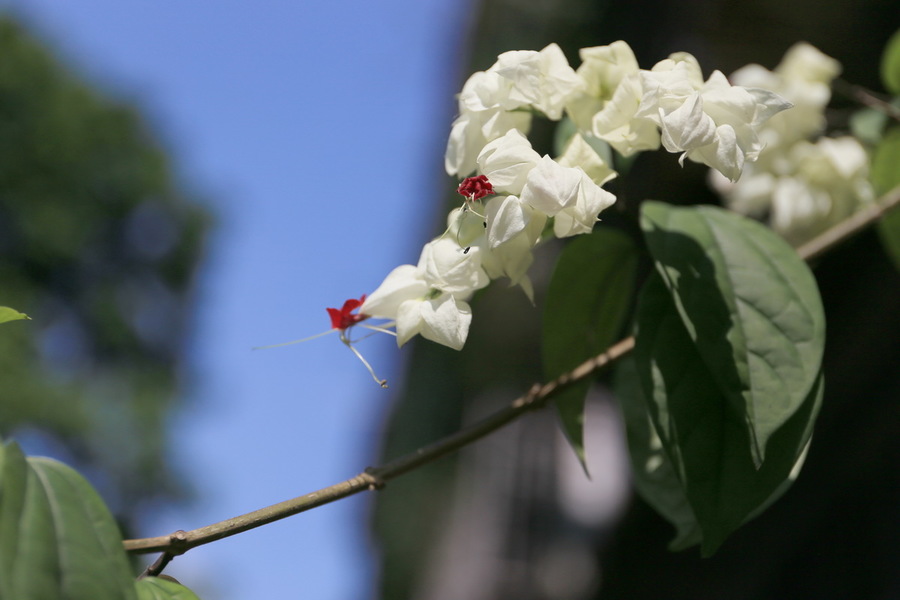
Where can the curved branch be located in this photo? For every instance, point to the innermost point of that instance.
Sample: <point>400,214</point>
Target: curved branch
<point>866,98</point>
<point>375,477</point>
<point>537,397</point>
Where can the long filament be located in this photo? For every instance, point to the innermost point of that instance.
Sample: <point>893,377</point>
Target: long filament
<point>381,382</point>
<point>306,339</point>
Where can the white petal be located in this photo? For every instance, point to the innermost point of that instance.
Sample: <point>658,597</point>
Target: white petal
<point>724,155</point>
<point>687,127</point>
<point>506,162</point>
<point>551,186</point>
<point>451,268</point>
<point>581,217</point>
<point>403,283</point>
<point>579,153</point>
<point>446,321</point>
<point>409,320</point>
<point>506,218</point>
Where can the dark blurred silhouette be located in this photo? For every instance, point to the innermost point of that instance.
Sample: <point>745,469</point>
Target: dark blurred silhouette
<point>99,246</point>
<point>496,521</point>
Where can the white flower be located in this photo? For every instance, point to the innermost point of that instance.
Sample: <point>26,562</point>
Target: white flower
<point>443,319</point>
<point>471,131</point>
<point>566,192</point>
<point>404,283</point>
<point>602,69</point>
<point>451,268</point>
<point>541,80</point>
<point>579,153</point>
<point>714,123</point>
<point>494,101</point>
<point>619,124</point>
<point>506,217</point>
<point>552,187</point>
<point>513,256</point>
<point>803,78</point>
<point>506,162</point>
<point>407,298</point>
<point>581,217</point>
<point>430,298</point>
<point>806,189</point>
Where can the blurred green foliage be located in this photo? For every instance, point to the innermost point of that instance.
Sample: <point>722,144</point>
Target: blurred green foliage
<point>99,246</point>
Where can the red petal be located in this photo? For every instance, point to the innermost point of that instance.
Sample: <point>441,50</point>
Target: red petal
<point>336,318</point>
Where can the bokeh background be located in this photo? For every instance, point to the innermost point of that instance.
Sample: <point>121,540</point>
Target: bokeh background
<point>181,182</point>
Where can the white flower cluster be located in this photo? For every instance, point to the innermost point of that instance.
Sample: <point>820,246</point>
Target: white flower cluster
<point>528,195</point>
<point>802,187</point>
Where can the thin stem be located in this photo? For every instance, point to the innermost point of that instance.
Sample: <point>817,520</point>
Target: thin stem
<point>349,344</point>
<point>866,98</point>
<point>300,341</point>
<point>380,329</point>
<point>375,478</point>
<point>850,226</point>
<point>157,566</point>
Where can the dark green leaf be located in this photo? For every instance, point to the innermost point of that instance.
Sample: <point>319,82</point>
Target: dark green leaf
<point>155,588</point>
<point>890,65</point>
<point>8,314</point>
<point>885,175</point>
<point>750,305</point>
<point>705,439</point>
<point>587,302</point>
<point>57,538</point>
<point>652,472</point>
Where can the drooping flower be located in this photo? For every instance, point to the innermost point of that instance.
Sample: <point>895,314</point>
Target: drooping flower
<point>806,189</point>
<point>799,184</point>
<point>603,69</point>
<point>566,193</point>
<point>429,299</point>
<point>803,77</point>
<point>710,122</point>
<point>540,80</point>
<point>504,97</point>
<point>507,160</point>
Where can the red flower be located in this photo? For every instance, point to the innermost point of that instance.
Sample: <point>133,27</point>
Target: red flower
<point>475,188</point>
<point>342,318</point>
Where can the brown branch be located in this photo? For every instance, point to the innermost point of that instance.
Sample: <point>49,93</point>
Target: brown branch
<point>157,566</point>
<point>850,226</point>
<point>374,478</point>
<point>866,98</point>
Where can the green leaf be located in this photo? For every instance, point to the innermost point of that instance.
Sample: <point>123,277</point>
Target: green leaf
<point>704,438</point>
<point>890,65</point>
<point>587,302</point>
<point>885,175</point>
<point>867,125</point>
<point>8,314</point>
<point>749,304</point>
<point>652,472</point>
<point>155,588</point>
<point>57,538</point>
<point>885,170</point>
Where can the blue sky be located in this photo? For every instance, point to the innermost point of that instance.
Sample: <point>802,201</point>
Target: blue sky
<point>316,131</point>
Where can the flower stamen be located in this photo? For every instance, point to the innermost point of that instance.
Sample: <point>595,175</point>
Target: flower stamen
<point>349,344</point>
<point>475,188</point>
